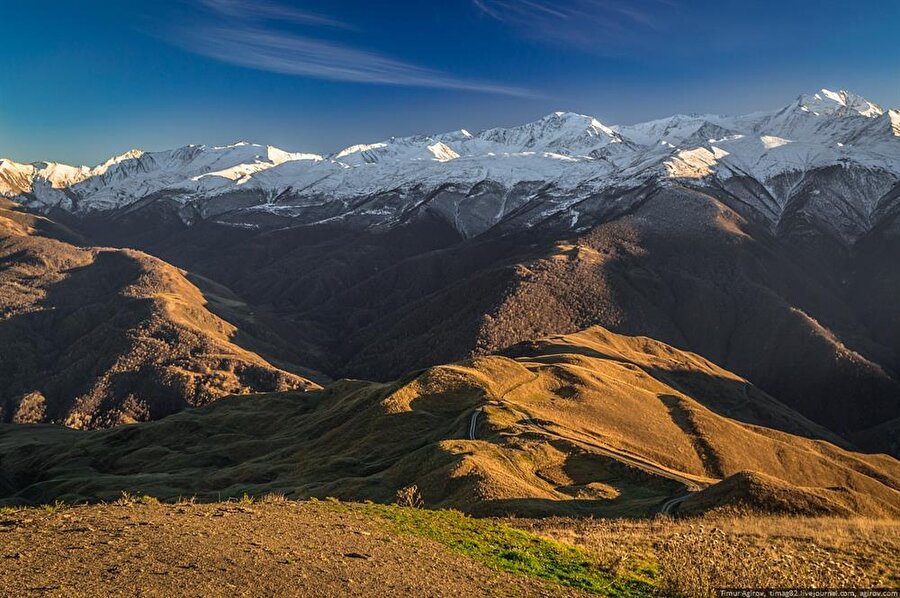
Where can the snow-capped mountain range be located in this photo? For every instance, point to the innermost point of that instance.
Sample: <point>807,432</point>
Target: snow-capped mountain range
<point>834,156</point>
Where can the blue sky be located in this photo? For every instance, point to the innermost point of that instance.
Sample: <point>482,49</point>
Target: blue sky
<point>84,80</point>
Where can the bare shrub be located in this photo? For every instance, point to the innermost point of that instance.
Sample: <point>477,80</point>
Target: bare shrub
<point>273,498</point>
<point>409,496</point>
<point>126,499</point>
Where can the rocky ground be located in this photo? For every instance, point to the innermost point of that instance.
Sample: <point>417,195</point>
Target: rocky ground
<point>271,546</point>
<point>233,549</point>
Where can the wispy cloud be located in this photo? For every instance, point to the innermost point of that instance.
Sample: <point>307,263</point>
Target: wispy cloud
<point>585,23</point>
<point>264,10</point>
<point>250,33</point>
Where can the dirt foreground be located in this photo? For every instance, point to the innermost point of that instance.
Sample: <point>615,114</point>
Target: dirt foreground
<point>233,549</point>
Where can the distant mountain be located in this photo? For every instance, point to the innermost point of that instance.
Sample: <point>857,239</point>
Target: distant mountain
<point>765,242</point>
<point>573,162</point>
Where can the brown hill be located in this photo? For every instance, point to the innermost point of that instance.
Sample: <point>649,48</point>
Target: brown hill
<point>588,423</point>
<point>93,337</point>
<point>759,492</point>
<point>682,266</point>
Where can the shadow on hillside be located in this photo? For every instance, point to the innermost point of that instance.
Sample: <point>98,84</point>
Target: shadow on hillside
<point>94,337</point>
<point>298,444</point>
<point>73,333</point>
<point>741,401</point>
<point>622,506</point>
<point>547,350</point>
<point>732,398</point>
<point>258,331</point>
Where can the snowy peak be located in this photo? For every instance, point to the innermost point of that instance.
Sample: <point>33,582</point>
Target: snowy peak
<point>568,156</point>
<point>577,124</point>
<point>16,178</point>
<point>460,135</point>
<point>61,175</point>
<point>278,156</point>
<point>681,130</point>
<point>838,103</point>
<point>136,174</point>
<point>197,160</point>
<point>113,162</point>
<point>565,133</point>
<point>826,116</point>
<point>361,153</point>
<point>894,119</point>
<point>396,149</point>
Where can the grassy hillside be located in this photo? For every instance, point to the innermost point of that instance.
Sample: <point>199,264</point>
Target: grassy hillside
<point>591,423</point>
<point>93,337</point>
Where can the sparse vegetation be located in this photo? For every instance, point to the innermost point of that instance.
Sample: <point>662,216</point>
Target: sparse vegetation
<point>732,548</point>
<point>56,505</point>
<point>512,550</point>
<point>127,499</point>
<point>273,498</point>
<point>409,496</point>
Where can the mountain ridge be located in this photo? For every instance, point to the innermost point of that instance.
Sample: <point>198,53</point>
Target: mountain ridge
<point>571,155</point>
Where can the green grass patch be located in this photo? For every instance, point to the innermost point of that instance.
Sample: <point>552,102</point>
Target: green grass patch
<point>56,505</point>
<point>508,549</point>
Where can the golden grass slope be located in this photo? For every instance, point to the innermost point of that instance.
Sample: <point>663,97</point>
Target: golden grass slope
<point>589,423</point>
<point>730,548</point>
<point>93,337</point>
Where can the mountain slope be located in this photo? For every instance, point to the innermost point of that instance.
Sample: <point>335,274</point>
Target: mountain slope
<point>678,265</point>
<point>93,337</point>
<point>685,269</point>
<point>588,423</point>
